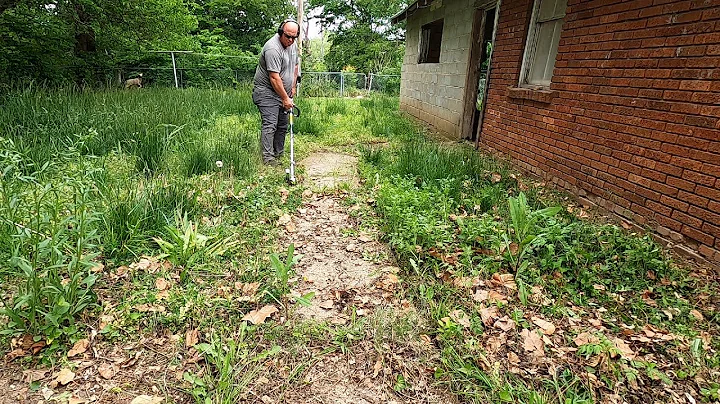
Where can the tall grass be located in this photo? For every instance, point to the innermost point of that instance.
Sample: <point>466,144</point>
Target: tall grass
<point>88,174</point>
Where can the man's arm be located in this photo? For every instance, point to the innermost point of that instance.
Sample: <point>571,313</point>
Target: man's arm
<point>277,85</point>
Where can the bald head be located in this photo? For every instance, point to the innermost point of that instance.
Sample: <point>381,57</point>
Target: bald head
<point>289,33</point>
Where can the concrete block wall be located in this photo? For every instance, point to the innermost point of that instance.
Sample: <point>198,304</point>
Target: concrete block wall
<point>632,118</point>
<point>433,92</point>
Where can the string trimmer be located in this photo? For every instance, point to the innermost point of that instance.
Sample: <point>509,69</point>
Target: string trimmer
<point>290,172</point>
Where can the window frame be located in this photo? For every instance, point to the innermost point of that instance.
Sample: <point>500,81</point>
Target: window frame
<point>531,44</point>
<point>424,45</point>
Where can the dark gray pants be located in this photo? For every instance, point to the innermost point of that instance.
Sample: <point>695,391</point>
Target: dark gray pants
<point>274,125</point>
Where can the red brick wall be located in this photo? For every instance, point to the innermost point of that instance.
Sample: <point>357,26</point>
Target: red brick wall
<point>633,120</point>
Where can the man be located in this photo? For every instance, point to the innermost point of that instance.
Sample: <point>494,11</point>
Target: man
<point>274,87</point>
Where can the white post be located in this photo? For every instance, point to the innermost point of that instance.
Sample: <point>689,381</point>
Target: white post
<point>174,68</point>
<point>342,83</point>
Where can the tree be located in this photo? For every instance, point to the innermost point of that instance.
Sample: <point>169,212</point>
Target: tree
<point>246,24</point>
<point>362,37</point>
<point>77,38</point>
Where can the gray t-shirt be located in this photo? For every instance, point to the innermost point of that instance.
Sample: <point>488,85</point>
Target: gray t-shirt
<point>275,58</point>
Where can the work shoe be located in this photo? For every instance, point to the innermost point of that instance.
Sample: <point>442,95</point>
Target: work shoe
<point>273,163</point>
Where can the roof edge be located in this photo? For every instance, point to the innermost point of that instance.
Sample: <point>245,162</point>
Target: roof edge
<point>410,10</point>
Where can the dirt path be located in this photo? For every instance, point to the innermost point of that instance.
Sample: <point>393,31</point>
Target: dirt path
<point>350,274</point>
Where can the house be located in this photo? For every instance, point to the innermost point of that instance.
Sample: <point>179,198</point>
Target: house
<point>617,101</point>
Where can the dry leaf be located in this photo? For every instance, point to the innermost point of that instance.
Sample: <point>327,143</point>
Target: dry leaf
<point>506,280</point>
<point>480,295</point>
<point>459,317</point>
<point>192,337</point>
<point>377,368</point>
<point>585,338</point>
<point>284,220</point>
<point>494,343</point>
<point>162,295</point>
<point>327,304</point>
<point>259,316</point>
<point>495,177</point>
<point>698,316</point>
<point>80,347</point>
<point>624,349</point>
<point>547,327</point>
<point>76,400</point>
<point>107,370</point>
<point>497,297</point>
<point>105,320</point>
<point>161,284</point>
<point>64,377</point>
<point>284,193</point>
<point>488,315</point>
<point>143,399</point>
<point>532,342</point>
<point>505,324</point>
<point>34,375</point>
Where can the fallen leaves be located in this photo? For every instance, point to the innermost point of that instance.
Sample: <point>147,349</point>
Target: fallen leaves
<point>259,316</point>
<point>79,348</point>
<point>547,327</point>
<point>108,370</point>
<point>459,317</point>
<point>192,337</point>
<point>144,399</point>
<point>533,342</point>
<point>64,376</point>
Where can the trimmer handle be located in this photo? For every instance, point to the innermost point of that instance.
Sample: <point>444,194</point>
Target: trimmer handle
<point>294,111</point>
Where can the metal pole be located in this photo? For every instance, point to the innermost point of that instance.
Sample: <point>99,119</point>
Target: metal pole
<point>342,84</point>
<point>174,68</point>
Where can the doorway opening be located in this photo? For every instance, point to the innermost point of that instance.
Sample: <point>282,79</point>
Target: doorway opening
<point>483,34</point>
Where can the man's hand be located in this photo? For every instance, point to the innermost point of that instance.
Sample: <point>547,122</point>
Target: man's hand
<point>288,104</point>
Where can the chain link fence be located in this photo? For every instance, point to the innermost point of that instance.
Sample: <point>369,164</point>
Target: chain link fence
<point>313,84</point>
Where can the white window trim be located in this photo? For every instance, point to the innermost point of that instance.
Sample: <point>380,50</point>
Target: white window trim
<point>530,47</point>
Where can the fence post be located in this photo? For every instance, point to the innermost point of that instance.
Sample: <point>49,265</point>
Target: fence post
<point>342,84</point>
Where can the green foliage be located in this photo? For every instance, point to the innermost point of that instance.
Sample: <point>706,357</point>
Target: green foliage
<point>186,246</point>
<point>51,235</point>
<point>524,226</point>
<point>363,50</point>
<point>85,42</point>
<point>246,24</point>
<point>363,38</point>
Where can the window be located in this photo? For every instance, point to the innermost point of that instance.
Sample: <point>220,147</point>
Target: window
<point>542,43</point>
<point>430,40</point>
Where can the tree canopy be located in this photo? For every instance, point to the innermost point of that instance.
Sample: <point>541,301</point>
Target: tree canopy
<point>363,39</point>
<point>56,40</point>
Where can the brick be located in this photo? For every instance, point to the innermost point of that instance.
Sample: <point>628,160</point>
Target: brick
<point>674,203</point>
<point>687,220</point>
<point>668,222</point>
<point>693,199</point>
<point>711,229</point>
<point>704,214</point>
<point>681,184</point>
<point>696,235</point>
<point>702,121</point>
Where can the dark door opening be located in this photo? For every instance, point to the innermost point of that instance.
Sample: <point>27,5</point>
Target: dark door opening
<point>483,70</point>
<point>478,71</point>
